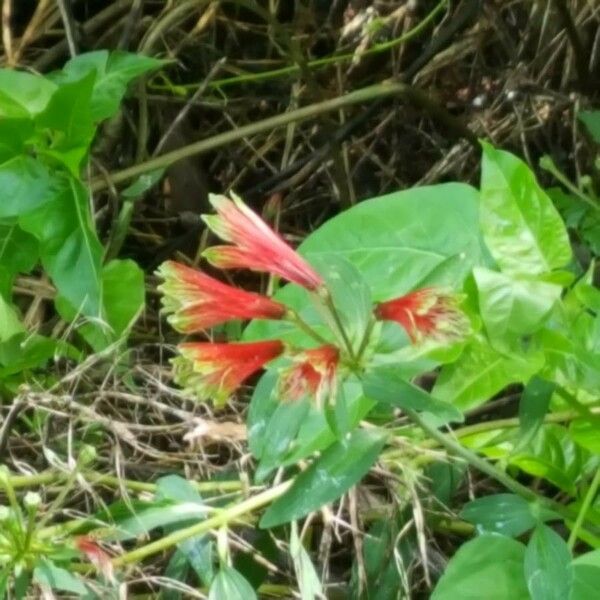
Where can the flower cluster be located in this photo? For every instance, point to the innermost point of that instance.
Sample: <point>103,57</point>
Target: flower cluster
<point>195,302</point>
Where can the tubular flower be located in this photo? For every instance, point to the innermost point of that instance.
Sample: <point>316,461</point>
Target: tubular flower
<point>255,245</point>
<point>88,546</point>
<point>215,371</point>
<point>195,301</point>
<point>312,374</point>
<point>426,313</point>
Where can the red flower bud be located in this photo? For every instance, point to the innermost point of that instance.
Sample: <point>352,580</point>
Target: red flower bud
<point>195,301</point>
<point>215,371</point>
<point>255,245</point>
<point>426,313</point>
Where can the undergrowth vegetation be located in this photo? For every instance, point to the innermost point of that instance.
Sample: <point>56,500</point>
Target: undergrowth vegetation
<point>353,352</point>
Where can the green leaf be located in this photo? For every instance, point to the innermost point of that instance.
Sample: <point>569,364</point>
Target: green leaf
<point>481,372</point>
<point>69,121</point>
<point>387,385</point>
<point>398,242</point>
<point>520,225</point>
<point>176,489</point>
<point>489,566</point>
<point>586,576</point>
<point>46,573</point>
<point>151,515</point>
<point>533,407</point>
<point>198,551</point>
<point>10,324</point>
<point>279,434</point>
<point>114,72</point>
<point>569,360</point>
<point>14,133</point>
<point>591,120</point>
<point>586,433</point>
<point>547,566</point>
<point>511,305</point>
<point>306,576</point>
<point>123,294</point>
<point>229,584</point>
<point>506,514</point>
<point>553,455</point>
<point>70,250</point>
<point>23,94</point>
<point>339,467</point>
<point>25,184</point>
<point>18,254</point>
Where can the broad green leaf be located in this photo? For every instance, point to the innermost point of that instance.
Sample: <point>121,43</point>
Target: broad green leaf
<point>14,133</point>
<point>315,433</point>
<point>157,514</point>
<point>176,489</point>
<point>388,386</point>
<point>46,573</point>
<point>553,455</point>
<point>25,184</point>
<point>10,324</point>
<point>229,584</point>
<point>533,407</point>
<point>513,305</point>
<point>490,567</point>
<point>591,120</point>
<point>384,556</point>
<point>586,433</point>
<point>23,94</point>
<point>198,552</point>
<point>306,576</point>
<point>341,466</point>
<point>24,352</point>
<point>481,372</point>
<point>398,242</point>
<point>586,576</point>
<point>70,250</point>
<point>68,121</point>
<point>570,361</point>
<point>18,254</point>
<point>520,225</point>
<point>177,569</point>
<point>506,514</point>
<point>262,406</point>
<point>547,565</point>
<point>281,430</point>
<point>123,294</point>
<point>114,71</point>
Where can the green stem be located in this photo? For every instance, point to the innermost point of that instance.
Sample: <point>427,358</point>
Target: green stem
<point>223,518</point>
<point>58,477</point>
<point>319,62</point>
<point>328,301</point>
<point>454,447</point>
<point>365,341</point>
<point>587,501</point>
<point>365,94</point>
<point>293,316</point>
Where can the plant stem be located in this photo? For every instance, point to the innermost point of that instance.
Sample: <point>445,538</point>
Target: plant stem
<point>366,94</point>
<point>365,341</point>
<point>328,301</point>
<point>587,501</point>
<point>302,324</point>
<point>226,516</point>
<point>454,447</point>
<point>57,477</point>
<point>319,62</point>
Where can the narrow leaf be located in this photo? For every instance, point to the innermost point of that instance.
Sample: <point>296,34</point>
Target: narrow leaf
<point>342,465</point>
